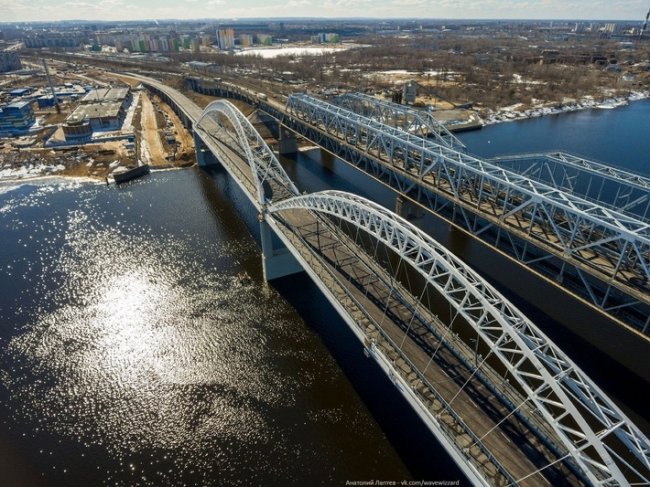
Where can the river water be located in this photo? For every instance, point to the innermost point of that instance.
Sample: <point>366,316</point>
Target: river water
<point>130,353</point>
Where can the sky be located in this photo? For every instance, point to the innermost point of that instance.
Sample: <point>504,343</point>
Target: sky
<point>39,10</point>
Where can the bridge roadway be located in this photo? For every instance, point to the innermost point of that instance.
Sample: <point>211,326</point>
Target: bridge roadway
<point>398,326</point>
<point>489,426</point>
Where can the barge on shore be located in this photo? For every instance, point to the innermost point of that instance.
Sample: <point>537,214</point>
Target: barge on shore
<point>128,175</point>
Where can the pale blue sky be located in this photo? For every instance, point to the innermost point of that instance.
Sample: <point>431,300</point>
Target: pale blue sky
<point>13,10</point>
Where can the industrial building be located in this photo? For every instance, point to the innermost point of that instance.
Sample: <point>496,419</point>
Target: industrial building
<point>77,127</point>
<point>19,92</point>
<point>9,61</point>
<point>100,109</point>
<point>111,94</point>
<point>18,115</point>
<point>409,91</point>
<point>93,117</point>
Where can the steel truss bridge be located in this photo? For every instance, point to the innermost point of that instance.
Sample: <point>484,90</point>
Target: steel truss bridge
<point>508,405</point>
<point>578,223</point>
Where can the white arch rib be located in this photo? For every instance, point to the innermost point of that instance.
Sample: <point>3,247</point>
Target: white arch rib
<point>560,391</point>
<point>264,165</point>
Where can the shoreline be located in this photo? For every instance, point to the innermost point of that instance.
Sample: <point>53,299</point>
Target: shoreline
<point>512,114</point>
<point>43,179</point>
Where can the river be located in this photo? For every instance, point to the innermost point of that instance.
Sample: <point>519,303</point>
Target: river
<point>130,353</point>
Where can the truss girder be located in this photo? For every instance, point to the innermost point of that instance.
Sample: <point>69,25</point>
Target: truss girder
<point>603,241</point>
<point>589,424</point>
<point>411,120</point>
<point>222,121</point>
<point>615,188</point>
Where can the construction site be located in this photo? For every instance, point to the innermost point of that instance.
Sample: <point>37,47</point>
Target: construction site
<point>85,123</point>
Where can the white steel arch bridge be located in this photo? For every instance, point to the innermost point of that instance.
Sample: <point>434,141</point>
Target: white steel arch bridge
<point>521,386</point>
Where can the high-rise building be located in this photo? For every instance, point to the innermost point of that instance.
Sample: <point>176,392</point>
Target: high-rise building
<point>9,61</point>
<point>226,39</point>
<point>164,44</point>
<point>245,40</point>
<point>264,39</point>
<point>610,28</point>
<point>206,40</point>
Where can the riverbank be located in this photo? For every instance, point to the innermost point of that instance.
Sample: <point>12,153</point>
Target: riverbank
<point>92,164</point>
<point>519,111</point>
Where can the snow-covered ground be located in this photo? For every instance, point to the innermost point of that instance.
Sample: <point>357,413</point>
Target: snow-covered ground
<point>127,126</point>
<point>28,171</point>
<point>272,52</point>
<point>512,112</point>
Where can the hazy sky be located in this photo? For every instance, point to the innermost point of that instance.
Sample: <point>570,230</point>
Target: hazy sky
<point>12,10</point>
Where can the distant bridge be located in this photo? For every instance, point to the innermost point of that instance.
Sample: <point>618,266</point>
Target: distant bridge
<point>508,405</point>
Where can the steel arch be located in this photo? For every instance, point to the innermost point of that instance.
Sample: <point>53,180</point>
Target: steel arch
<point>264,165</point>
<point>560,391</point>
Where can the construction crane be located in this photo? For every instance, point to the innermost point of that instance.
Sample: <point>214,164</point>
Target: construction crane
<point>645,24</point>
<point>49,82</point>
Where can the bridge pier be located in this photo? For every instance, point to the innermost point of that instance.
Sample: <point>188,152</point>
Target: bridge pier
<point>407,210</point>
<point>287,143</point>
<point>204,157</point>
<point>277,261</point>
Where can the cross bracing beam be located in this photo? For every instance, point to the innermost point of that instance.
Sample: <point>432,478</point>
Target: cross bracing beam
<point>595,240</point>
<point>416,122</point>
<point>615,188</point>
<point>224,123</point>
<point>596,433</point>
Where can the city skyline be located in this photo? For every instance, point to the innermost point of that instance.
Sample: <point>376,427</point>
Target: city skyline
<point>47,10</point>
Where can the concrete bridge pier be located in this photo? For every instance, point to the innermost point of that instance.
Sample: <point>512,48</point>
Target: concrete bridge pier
<point>407,209</point>
<point>399,203</point>
<point>204,157</point>
<point>200,150</point>
<point>287,143</point>
<point>277,261</point>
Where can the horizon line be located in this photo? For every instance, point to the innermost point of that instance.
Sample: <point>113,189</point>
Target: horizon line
<point>237,19</point>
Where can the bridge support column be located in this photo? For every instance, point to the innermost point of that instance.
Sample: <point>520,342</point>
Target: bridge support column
<point>407,209</point>
<point>203,155</point>
<point>276,259</point>
<point>287,143</point>
<point>399,202</point>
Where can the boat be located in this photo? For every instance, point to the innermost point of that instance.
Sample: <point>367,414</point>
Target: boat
<point>612,105</point>
<point>129,174</point>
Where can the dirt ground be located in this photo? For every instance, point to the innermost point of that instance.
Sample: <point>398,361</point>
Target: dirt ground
<point>184,141</point>
<point>151,147</point>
